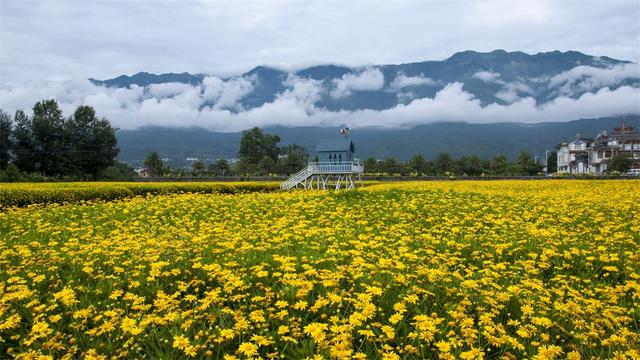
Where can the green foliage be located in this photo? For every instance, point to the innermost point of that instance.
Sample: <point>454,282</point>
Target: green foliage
<point>119,172</point>
<point>81,147</point>
<point>620,163</point>
<point>294,158</point>
<point>153,164</point>
<point>552,162</point>
<point>92,142</point>
<point>5,139</point>
<point>255,145</point>
<point>10,174</point>
<point>22,194</point>
<point>266,166</point>
<point>198,167</point>
<point>418,165</point>
<point>444,163</point>
<point>220,168</point>
<point>24,147</point>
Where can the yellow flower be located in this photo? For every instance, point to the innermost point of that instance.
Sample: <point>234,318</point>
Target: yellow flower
<point>248,349</point>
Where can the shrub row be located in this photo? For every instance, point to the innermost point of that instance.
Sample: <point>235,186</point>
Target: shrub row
<point>23,194</point>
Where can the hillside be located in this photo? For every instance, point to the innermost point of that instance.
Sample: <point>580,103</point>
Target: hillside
<point>457,139</point>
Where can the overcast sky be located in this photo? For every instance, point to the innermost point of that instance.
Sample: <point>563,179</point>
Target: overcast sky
<point>48,49</point>
<point>63,39</point>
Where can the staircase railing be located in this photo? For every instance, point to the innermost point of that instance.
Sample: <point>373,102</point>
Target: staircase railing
<point>313,168</point>
<point>297,178</point>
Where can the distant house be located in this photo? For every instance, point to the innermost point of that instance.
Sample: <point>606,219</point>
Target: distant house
<point>592,156</point>
<point>337,151</point>
<point>573,157</point>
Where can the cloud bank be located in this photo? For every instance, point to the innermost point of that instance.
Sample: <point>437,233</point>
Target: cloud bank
<point>216,104</point>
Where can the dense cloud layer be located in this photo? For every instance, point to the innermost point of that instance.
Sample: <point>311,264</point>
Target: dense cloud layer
<point>66,39</point>
<point>216,103</point>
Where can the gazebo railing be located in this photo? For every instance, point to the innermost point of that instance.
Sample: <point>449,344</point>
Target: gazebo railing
<point>345,167</point>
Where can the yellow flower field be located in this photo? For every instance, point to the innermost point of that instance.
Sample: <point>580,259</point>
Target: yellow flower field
<point>495,269</point>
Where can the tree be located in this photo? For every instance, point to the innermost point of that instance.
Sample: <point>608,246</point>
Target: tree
<point>153,164</point>
<point>552,162</point>
<point>266,166</point>
<point>498,165</point>
<point>220,168</point>
<point>10,174</point>
<point>23,144</point>
<point>198,166</point>
<point>49,138</point>
<point>390,166</point>
<point>471,165</point>
<point>620,163</point>
<point>92,142</point>
<point>5,139</point>
<point>294,158</point>
<point>526,163</point>
<point>371,166</point>
<point>119,172</point>
<point>418,164</point>
<point>255,145</point>
<point>444,163</point>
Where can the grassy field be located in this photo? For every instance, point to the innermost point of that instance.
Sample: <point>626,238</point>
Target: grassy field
<point>501,269</point>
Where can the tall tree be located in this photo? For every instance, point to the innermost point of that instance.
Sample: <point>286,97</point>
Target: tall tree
<point>499,165</point>
<point>266,166</point>
<point>418,164</point>
<point>92,142</point>
<point>5,139</point>
<point>552,162</point>
<point>471,165</point>
<point>198,167</point>
<point>294,158</point>
<point>23,146</point>
<point>444,163</point>
<point>153,164</point>
<point>220,168</point>
<point>49,138</point>
<point>371,166</point>
<point>527,163</point>
<point>255,144</point>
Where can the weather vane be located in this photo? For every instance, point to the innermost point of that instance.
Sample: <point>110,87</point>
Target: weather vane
<point>345,131</point>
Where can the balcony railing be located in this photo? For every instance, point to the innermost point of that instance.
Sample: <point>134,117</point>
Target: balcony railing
<point>350,167</point>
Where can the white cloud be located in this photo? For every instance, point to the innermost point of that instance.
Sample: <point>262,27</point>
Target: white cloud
<point>488,76</point>
<point>587,78</point>
<point>133,107</point>
<point>226,94</point>
<point>167,89</point>
<point>512,90</point>
<point>402,81</point>
<point>368,79</point>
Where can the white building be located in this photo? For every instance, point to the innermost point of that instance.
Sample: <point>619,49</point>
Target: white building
<point>592,156</point>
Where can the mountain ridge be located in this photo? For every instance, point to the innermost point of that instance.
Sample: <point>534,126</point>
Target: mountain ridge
<point>496,77</point>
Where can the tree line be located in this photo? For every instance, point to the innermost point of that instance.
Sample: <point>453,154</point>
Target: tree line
<point>47,144</point>
<point>260,155</point>
<point>470,165</point>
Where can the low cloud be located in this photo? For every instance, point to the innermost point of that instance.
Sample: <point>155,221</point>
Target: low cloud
<point>402,81</point>
<point>367,80</point>
<point>488,76</point>
<point>215,105</point>
<point>587,78</point>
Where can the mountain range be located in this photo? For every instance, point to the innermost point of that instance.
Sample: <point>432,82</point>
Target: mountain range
<point>497,79</point>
